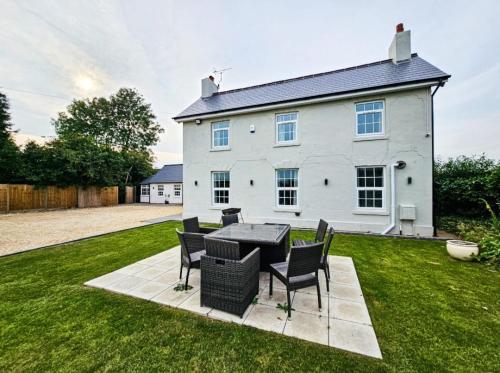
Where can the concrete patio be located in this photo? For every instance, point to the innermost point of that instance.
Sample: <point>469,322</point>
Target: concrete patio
<point>343,322</point>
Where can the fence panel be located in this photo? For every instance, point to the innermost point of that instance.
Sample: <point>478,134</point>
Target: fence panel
<point>129,194</point>
<point>4,198</point>
<point>96,197</point>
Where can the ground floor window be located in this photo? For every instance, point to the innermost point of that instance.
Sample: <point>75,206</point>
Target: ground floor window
<point>177,190</point>
<point>287,187</point>
<point>144,190</point>
<point>220,187</point>
<point>370,187</point>
<point>160,190</point>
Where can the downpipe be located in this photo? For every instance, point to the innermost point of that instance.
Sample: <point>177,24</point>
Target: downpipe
<point>399,165</point>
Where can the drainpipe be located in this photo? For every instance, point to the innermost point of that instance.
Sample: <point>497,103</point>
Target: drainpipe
<point>440,84</point>
<point>398,165</point>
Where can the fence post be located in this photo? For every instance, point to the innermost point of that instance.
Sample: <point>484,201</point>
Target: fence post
<point>8,197</point>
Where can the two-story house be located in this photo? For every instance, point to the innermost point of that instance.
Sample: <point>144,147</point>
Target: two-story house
<point>352,146</point>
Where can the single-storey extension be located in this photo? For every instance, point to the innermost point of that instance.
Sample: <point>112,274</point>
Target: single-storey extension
<point>163,187</point>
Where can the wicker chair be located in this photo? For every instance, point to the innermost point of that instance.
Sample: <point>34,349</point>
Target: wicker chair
<point>192,248</point>
<point>229,219</point>
<point>228,283</point>
<point>320,234</point>
<point>233,210</point>
<point>192,225</point>
<point>324,258</point>
<point>300,271</point>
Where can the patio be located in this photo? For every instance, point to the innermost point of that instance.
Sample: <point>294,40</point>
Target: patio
<point>343,322</point>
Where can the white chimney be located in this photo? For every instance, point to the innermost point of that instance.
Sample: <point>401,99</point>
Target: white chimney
<point>208,87</point>
<point>400,49</point>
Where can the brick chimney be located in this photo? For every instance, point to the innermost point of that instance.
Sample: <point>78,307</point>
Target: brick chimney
<point>400,49</point>
<point>208,87</point>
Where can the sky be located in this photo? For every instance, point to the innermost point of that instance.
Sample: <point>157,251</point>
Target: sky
<point>54,51</point>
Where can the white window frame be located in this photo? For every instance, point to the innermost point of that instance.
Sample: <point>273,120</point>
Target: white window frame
<point>145,188</point>
<point>371,188</point>
<point>295,188</point>
<point>161,190</point>
<point>221,188</point>
<point>382,121</point>
<point>177,190</point>
<point>214,130</point>
<point>295,123</point>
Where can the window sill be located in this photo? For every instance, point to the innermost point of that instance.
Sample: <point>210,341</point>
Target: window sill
<point>221,207</point>
<point>221,149</point>
<point>285,144</point>
<point>370,212</point>
<point>284,209</point>
<point>370,138</point>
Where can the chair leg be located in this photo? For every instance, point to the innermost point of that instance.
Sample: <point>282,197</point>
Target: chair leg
<point>187,277</point>
<point>289,303</point>
<point>319,293</point>
<point>328,270</point>
<point>270,284</point>
<point>180,276</point>
<point>327,280</point>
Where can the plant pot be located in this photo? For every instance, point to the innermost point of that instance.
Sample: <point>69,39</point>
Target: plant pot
<point>462,250</point>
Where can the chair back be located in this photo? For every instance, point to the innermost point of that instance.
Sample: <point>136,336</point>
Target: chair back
<point>328,243</point>
<point>229,219</point>
<point>191,225</point>
<point>190,243</point>
<point>304,259</point>
<point>321,231</point>
<point>222,249</point>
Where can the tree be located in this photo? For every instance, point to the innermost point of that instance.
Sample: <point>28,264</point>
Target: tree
<point>10,156</point>
<point>124,121</point>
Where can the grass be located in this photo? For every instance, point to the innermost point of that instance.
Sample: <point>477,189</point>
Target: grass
<point>430,313</point>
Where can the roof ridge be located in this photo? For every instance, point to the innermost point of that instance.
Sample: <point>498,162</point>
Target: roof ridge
<point>308,76</point>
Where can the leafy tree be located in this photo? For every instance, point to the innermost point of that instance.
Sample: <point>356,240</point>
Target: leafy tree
<point>124,121</point>
<point>10,156</point>
<point>463,183</point>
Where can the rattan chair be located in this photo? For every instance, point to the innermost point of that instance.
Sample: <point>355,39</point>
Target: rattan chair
<point>228,283</point>
<point>191,225</point>
<point>324,258</point>
<point>229,219</point>
<point>300,271</point>
<point>320,234</point>
<point>192,248</point>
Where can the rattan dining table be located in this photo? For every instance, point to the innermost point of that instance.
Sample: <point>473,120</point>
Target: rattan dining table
<point>272,239</point>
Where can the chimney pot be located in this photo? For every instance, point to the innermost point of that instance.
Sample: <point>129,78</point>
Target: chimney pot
<point>211,78</point>
<point>400,27</point>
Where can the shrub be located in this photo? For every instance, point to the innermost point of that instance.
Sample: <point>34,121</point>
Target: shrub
<point>463,183</point>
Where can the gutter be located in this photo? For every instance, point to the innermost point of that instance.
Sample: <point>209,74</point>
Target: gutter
<point>307,101</point>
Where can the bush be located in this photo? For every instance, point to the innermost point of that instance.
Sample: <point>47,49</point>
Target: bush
<point>463,183</point>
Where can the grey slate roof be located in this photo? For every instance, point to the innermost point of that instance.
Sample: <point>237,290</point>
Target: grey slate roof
<point>354,79</point>
<point>171,173</point>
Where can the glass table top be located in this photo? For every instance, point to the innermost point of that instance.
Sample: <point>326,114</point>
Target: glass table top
<point>252,232</point>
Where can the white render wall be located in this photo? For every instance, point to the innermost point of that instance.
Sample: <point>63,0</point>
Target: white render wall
<point>327,149</point>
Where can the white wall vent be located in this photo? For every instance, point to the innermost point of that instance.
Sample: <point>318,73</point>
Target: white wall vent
<point>407,212</point>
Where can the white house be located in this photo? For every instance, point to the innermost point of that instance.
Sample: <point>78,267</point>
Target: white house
<point>163,187</point>
<point>352,146</point>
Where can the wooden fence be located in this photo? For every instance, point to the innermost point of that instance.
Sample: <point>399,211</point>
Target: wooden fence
<point>129,194</point>
<point>15,197</point>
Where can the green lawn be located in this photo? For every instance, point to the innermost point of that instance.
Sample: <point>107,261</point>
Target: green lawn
<point>430,313</point>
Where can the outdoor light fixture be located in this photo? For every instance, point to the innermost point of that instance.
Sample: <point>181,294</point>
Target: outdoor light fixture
<point>297,213</point>
<point>409,180</point>
<point>198,121</point>
<point>196,182</point>
<point>326,181</point>
<point>251,182</point>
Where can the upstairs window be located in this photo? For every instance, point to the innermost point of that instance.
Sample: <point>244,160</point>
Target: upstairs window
<point>286,128</point>
<point>220,134</point>
<point>370,118</point>
<point>160,190</point>
<point>370,187</point>
<point>177,190</point>
<point>287,187</point>
<point>220,187</point>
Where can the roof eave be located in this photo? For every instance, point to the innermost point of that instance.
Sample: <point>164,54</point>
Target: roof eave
<point>318,98</point>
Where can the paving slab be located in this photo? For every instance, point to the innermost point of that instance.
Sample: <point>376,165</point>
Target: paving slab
<point>342,322</point>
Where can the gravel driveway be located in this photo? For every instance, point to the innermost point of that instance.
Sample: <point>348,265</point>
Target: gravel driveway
<point>29,230</point>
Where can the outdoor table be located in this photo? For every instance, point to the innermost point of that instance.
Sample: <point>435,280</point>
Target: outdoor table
<point>272,239</point>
